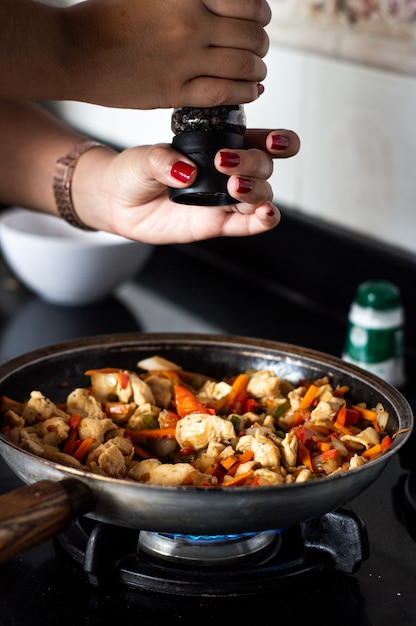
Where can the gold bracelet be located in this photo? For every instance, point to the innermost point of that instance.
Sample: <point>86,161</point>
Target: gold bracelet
<point>62,182</point>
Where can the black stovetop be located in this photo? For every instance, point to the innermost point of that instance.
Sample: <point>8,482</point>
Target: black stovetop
<point>203,288</point>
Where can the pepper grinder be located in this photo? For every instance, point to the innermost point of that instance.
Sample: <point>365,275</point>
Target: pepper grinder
<point>199,133</point>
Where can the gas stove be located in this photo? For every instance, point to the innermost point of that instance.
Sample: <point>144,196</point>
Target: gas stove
<point>356,565</point>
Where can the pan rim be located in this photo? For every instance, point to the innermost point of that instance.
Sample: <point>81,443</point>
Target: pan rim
<point>129,340</point>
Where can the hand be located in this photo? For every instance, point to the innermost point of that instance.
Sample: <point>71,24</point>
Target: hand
<point>132,197</point>
<point>163,53</point>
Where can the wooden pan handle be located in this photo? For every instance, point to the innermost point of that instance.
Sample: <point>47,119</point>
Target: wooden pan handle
<point>35,513</point>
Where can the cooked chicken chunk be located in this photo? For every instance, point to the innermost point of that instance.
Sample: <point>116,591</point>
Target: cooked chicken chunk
<point>289,449</point>
<point>198,429</point>
<point>212,392</point>
<point>96,428</point>
<point>40,408</point>
<point>365,439</point>
<point>267,476</point>
<point>161,389</point>
<point>82,402</point>
<point>54,430</point>
<point>264,383</point>
<point>112,462</point>
<point>142,393</point>
<point>154,472</point>
<point>265,451</point>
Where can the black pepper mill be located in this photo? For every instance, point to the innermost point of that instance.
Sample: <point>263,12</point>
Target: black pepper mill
<point>200,133</point>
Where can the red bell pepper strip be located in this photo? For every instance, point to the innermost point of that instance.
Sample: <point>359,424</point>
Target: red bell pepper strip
<point>304,435</point>
<point>304,456</point>
<point>186,402</point>
<point>71,441</point>
<point>352,416</point>
<point>124,379</point>
<point>328,454</point>
<point>386,443</point>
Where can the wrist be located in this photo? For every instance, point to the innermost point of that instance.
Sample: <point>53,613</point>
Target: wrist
<point>68,203</point>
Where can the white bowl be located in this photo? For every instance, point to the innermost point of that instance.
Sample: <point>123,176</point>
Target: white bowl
<point>63,264</point>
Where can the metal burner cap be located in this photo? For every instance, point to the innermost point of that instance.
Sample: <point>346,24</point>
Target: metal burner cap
<point>208,551</point>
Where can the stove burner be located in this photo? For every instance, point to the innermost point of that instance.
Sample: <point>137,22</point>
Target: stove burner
<point>206,550</point>
<point>237,566</point>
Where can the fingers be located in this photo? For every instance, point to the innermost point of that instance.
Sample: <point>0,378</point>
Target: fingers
<point>242,9</point>
<point>279,143</point>
<point>212,92</point>
<point>248,169</point>
<point>240,34</point>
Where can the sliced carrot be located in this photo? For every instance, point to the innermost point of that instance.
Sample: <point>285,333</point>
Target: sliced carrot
<point>144,454</point>
<point>300,416</point>
<point>240,383</point>
<point>367,414</point>
<point>237,480</point>
<point>309,396</point>
<point>323,446</point>
<point>83,448</point>
<point>151,433</point>
<point>228,462</point>
<point>246,456</point>
<point>342,429</point>
<point>103,370</point>
<point>341,391</point>
<point>373,451</point>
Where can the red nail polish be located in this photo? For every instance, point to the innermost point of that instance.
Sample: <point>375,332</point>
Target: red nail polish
<point>229,159</point>
<point>280,142</point>
<point>182,171</point>
<point>260,89</point>
<point>244,185</point>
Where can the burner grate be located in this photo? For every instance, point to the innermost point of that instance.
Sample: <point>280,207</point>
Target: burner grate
<point>255,563</point>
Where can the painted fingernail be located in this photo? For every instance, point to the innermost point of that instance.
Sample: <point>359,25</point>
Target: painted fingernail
<point>229,159</point>
<point>182,171</point>
<point>260,89</point>
<point>244,185</point>
<point>280,142</point>
<point>271,210</point>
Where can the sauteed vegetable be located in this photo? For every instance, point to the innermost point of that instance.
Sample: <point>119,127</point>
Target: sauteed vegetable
<point>167,426</point>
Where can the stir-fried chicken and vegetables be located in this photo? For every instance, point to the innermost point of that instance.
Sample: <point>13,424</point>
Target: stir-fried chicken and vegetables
<point>162,425</point>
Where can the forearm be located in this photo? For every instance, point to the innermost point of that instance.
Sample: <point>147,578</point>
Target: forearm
<point>31,142</point>
<point>33,47</point>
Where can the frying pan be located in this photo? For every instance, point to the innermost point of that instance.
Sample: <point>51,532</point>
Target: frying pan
<point>56,494</point>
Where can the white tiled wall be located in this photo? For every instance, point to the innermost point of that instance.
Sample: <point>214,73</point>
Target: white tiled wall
<point>357,165</point>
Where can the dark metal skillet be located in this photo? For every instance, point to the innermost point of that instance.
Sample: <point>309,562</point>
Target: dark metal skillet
<point>56,494</point>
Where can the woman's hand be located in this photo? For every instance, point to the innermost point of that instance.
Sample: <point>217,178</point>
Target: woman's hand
<point>136,54</point>
<point>166,53</point>
<point>131,196</point>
